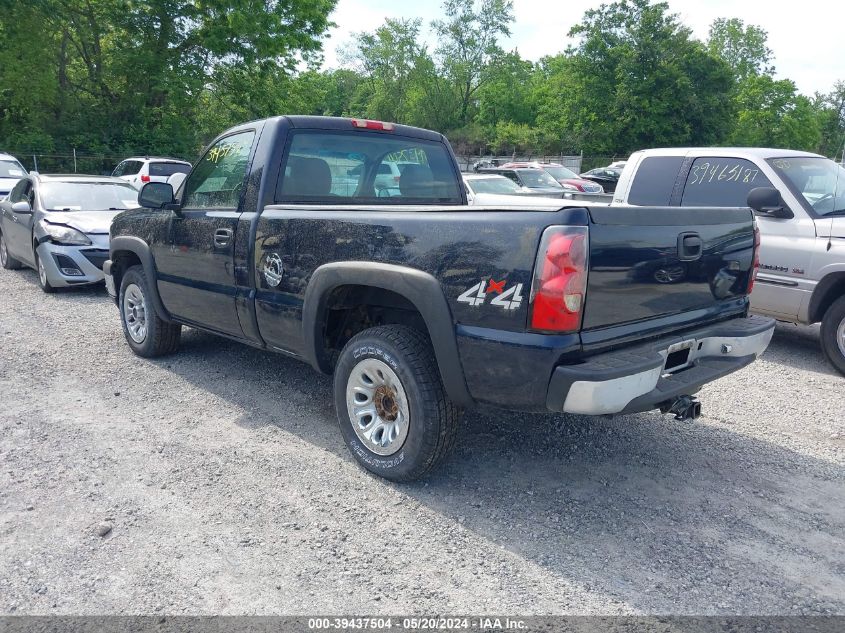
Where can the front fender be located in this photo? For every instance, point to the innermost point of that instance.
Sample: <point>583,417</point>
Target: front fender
<point>418,287</point>
<point>137,246</point>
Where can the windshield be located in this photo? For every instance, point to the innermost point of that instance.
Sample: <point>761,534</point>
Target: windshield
<point>537,178</point>
<point>819,180</point>
<point>561,173</point>
<point>498,184</point>
<point>11,169</point>
<point>88,196</point>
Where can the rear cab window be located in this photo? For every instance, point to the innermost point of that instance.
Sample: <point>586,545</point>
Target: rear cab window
<point>721,182</point>
<point>654,181</point>
<point>333,167</point>
<point>168,169</point>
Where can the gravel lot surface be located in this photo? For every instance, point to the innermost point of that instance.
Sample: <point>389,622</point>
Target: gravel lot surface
<point>216,481</point>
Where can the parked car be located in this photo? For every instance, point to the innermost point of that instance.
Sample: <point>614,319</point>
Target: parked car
<point>799,200</point>
<point>604,176</point>
<point>139,171</point>
<point>11,171</point>
<point>533,178</point>
<point>419,306</point>
<point>486,163</point>
<point>617,164</point>
<point>59,225</point>
<point>493,189</point>
<point>567,178</point>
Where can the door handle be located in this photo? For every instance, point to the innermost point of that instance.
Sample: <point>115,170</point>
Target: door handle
<point>222,237</point>
<point>690,247</point>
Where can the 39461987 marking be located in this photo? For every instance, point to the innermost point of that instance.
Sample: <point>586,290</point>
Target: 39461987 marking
<point>507,298</point>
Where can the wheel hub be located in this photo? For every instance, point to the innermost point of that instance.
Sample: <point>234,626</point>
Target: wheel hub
<point>377,406</point>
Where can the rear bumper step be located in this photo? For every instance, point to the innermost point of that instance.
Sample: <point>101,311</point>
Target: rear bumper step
<point>637,379</point>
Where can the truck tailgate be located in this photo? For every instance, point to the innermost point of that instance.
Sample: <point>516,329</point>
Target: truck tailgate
<point>647,263</point>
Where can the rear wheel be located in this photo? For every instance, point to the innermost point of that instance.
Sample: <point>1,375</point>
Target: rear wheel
<point>393,411</point>
<point>833,334</point>
<point>43,283</point>
<point>147,334</point>
<point>6,260</point>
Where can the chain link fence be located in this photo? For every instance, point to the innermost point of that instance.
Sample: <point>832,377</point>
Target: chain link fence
<point>70,163</point>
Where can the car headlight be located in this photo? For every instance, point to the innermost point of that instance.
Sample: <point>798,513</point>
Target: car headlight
<point>61,234</point>
<point>569,187</point>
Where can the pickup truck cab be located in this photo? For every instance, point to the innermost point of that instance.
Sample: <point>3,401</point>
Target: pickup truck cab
<point>420,305</point>
<point>802,254</point>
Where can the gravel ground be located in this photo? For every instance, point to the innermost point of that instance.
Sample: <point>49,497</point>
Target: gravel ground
<point>216,481</point>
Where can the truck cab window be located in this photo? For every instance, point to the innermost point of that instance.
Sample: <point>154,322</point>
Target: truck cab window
<point>655,180</point>
<point>217,181</point>
<point>721,182</point>
<point>356,167</point>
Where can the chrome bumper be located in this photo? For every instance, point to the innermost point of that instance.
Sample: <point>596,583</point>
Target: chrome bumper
<point>637,379</point>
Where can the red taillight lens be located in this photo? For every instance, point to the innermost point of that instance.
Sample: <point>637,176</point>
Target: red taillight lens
<point>755,266</point>
<point>145,178</point>
<point>560,279</point>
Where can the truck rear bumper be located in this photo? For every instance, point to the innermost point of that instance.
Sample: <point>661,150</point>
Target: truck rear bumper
<point>641,378</point>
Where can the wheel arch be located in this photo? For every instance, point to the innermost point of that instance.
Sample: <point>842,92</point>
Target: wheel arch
<point>828,290</point>
<point>419,289</point>
<point>126,251</point>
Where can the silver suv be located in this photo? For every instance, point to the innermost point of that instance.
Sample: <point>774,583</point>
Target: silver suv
<point>140,171</point>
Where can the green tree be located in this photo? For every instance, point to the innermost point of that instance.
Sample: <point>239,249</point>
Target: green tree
<point>637,79</point>
<point>744,48</point>
<point>771,113</point>
<point>468,43</point>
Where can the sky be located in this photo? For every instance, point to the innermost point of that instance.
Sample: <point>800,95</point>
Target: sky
<point>806,39</point>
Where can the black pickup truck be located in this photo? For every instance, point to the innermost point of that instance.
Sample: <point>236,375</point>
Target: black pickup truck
<point>349,244</point>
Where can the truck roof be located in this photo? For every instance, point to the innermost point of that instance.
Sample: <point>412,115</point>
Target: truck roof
<point>347,124</point>
<point>737,152</point>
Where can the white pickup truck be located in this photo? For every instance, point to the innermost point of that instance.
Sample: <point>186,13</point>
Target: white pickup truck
<point>800,207</point>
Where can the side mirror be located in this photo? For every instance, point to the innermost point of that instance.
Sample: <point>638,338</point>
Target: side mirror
<point>768,202</point>
<point>22,207</point>
<point>156,195</point>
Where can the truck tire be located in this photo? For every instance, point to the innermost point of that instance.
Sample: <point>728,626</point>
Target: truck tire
<point>147,334</point>
<point>6,260</point>
<point>391,406</point>
<point>833,334</point>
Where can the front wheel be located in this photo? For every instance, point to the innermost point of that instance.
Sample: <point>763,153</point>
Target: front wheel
<point>833,334</point>
<point>147,334</point>
<point>43,282</point>
<point>393,411</point>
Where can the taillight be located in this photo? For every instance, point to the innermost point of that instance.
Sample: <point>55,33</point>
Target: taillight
<point>373,125</point>
<point>145,178</point>
<point>755,266</point>
<point>560,279</point>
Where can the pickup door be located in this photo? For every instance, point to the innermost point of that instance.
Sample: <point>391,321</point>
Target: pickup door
<point>658,269</point>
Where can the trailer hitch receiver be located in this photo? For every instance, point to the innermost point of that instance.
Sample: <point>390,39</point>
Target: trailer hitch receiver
<point>683,408</point>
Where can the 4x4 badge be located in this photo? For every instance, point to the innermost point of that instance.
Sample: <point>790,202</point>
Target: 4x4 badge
<point>273,269</point>
<point>509,299</point>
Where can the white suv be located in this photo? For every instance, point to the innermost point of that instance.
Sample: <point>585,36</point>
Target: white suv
<point>140,171</point>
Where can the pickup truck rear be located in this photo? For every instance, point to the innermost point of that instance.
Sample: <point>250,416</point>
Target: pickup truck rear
<point>422,306</point>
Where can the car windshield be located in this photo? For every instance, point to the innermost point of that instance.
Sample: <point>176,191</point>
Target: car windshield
<point>819,180</point>
<point>561,173</point>
<point>494,184</point>
<point>88,196</point>
<point>11,169</point>
<point>537,178</point>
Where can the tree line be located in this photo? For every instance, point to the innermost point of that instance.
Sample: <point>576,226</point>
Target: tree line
<point>164,76</point>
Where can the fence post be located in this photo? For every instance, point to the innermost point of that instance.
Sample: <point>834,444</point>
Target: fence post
<point>74,160</point>
<point>35,160</point>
